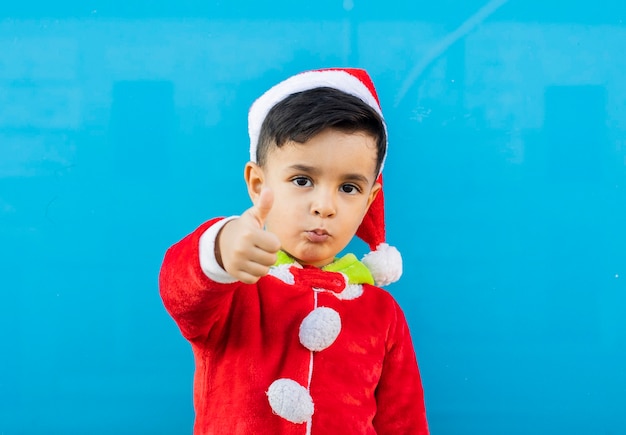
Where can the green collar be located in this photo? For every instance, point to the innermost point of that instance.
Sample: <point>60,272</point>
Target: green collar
<point>349,265</point>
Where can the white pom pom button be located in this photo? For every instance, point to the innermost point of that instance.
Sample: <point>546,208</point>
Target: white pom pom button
<point>290,400</point>
<point>320,328</point>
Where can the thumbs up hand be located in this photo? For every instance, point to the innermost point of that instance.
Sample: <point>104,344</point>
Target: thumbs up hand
<point>243,248</point>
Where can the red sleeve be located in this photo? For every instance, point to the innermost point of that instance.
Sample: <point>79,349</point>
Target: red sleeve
<point>196,303</point>
<point>399,395</point>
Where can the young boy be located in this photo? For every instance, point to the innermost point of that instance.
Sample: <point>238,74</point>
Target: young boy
<point>288,338</point>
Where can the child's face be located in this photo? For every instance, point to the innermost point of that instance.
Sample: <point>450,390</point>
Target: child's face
<point>322,190</point>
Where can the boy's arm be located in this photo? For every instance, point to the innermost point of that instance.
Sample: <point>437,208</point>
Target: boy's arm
<point>191,283</point>
<point>199,273</point>
<point>399,395</point>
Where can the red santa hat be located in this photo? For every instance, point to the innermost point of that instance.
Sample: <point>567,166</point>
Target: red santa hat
<point>384,261</point>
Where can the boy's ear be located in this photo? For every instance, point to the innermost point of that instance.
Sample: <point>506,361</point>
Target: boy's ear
<point>254,176</point>
<point>373,193</point>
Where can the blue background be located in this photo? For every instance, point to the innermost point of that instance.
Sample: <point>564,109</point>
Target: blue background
<point>123,127</point>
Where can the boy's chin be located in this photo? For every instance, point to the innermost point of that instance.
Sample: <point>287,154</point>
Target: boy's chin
<point>312,260</point>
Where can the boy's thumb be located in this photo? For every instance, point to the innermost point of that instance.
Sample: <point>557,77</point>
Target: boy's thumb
<point>264,205</point>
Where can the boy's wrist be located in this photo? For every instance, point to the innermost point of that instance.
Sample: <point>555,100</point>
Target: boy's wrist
<point>210,258</point>
<point>217,251</point>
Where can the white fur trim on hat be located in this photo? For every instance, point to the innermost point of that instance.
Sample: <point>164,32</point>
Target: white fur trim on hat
<point>385,264</point>
<point>320,329</point>
<point>290,400</point>
<point>337,79</point>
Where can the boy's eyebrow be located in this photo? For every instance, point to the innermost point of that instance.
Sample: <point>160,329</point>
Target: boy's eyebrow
<point>357,177</point>
<point>314,171</point>
<point>305,168</point>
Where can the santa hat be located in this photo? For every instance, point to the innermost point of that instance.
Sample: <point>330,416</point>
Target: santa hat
<point>384,261</point>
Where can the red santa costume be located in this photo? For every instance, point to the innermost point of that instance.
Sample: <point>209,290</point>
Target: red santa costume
<point>304,350</point>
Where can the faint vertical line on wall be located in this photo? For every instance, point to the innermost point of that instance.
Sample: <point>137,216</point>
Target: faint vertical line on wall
<point>350,42</point>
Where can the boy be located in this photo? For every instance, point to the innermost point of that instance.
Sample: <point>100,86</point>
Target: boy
<point>287,338</point>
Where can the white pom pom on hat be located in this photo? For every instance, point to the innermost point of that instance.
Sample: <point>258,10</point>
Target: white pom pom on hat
<point>384,262</point>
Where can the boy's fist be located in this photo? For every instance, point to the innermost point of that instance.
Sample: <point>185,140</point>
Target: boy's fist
<point>243,248</point>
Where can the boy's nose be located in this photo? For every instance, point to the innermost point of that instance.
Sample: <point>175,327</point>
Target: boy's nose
<point>324,206</point>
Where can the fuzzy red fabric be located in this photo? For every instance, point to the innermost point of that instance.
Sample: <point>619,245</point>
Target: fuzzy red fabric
<point>244,337</point>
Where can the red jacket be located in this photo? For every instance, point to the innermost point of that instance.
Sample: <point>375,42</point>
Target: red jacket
<point>254,375</point>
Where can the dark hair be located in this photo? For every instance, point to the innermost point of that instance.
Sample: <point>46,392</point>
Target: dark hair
<point>304,114</point>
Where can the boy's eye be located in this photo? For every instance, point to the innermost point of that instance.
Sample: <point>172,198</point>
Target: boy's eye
<point>302,182</point>
<point>350,189</point>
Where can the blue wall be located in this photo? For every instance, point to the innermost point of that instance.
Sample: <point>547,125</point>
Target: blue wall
<point>123,127</point>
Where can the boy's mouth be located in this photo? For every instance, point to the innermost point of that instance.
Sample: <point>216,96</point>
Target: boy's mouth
<point>317,235</point>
